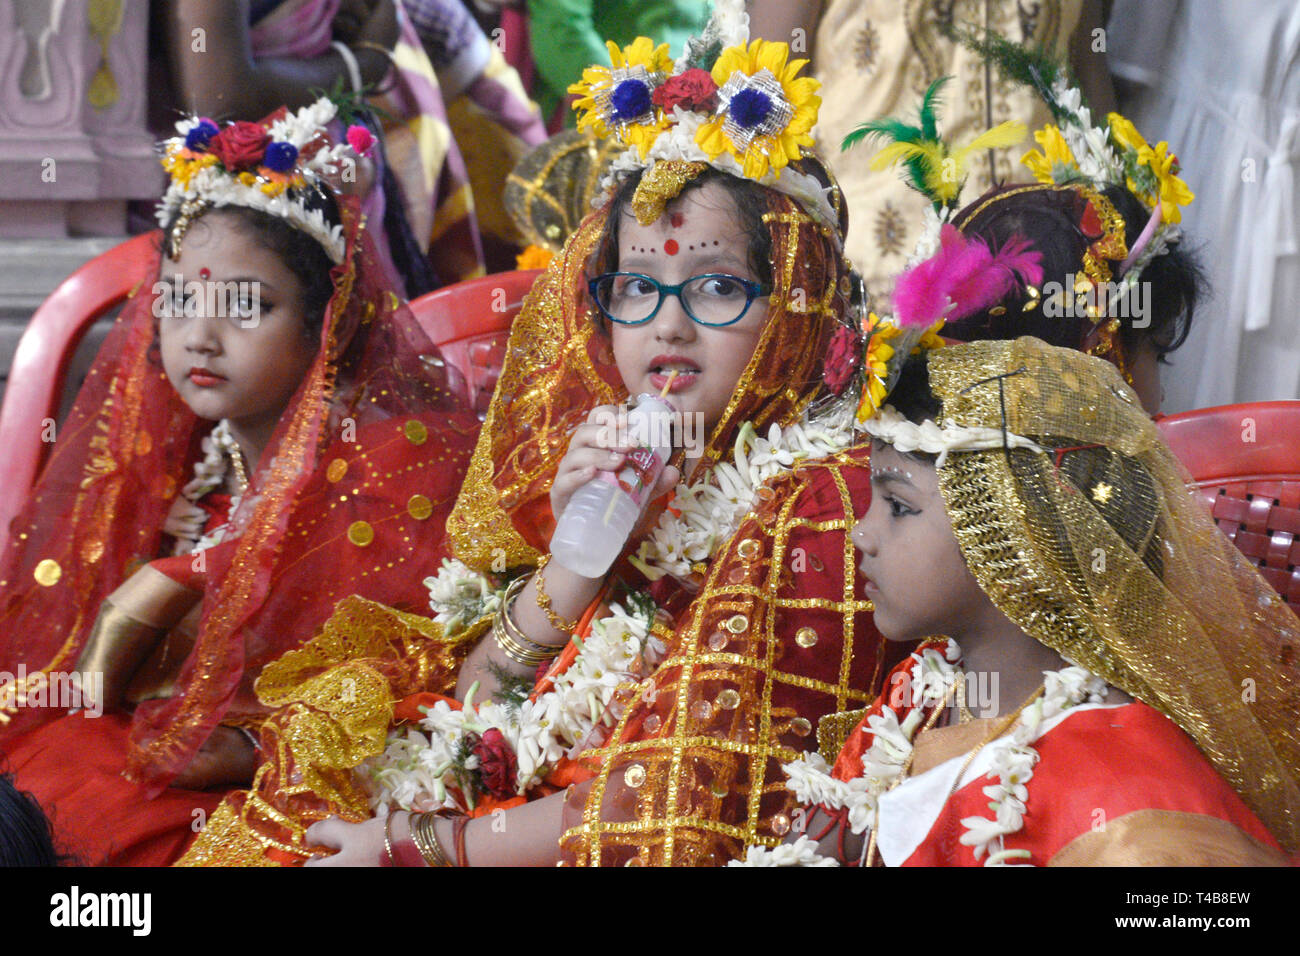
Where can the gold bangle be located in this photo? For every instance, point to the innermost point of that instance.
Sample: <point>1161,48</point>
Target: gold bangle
<point>544,602</point>
<point>388,837</point>
<point>521,654</point>
<point>426,839</point>
<point>514,643</point>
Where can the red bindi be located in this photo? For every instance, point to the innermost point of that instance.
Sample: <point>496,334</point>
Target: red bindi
<point>677,219</point>
<point>205,273</point>
<point>670,247</point>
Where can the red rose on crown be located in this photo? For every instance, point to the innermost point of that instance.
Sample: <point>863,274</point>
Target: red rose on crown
<point>693,90</point>
<point>497,765</point>
<point>240,146</point>
<point>841,359</point>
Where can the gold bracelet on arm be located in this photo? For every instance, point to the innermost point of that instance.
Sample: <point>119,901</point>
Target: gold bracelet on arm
<point>514,643</point>
<point>426,840</point>
<point>544,602</point>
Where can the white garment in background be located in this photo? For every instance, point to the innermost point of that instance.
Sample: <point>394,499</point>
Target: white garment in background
<point>1220,82</point>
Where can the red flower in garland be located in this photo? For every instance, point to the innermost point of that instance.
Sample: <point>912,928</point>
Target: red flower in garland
<point>841,359</point>
<point>240,146</point>
<point>692,90</point>
<point>497,765</point>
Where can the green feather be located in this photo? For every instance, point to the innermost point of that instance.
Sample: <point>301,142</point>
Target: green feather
<point>929,123</point>
<point>894,131</point>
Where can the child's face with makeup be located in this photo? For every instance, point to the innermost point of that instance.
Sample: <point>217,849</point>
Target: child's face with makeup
<point>917,576</point>
<point>240,366</point>
<point>696,235</point>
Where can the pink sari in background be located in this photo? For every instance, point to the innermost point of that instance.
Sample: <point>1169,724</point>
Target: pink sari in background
<point>417,145</point>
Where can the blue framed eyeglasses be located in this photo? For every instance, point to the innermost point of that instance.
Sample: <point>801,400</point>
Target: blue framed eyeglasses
<point>714,299</point>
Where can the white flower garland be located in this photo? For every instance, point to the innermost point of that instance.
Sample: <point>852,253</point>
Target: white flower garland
<point>420,771</point>
<point>710,510</point>
<point>802,852</point>
<point>186,519</point>
<point>459,596</point>
<point>891,427</point>
<point>1013,759</point>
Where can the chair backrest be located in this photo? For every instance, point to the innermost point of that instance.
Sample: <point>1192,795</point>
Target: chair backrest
<point>470,322</point>
<point>40,365</point>
<point>1245,459</point>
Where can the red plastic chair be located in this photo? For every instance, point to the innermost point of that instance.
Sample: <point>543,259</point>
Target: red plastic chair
<point>1245,459</point>
<point>36,378</point>
<point>470,322</point>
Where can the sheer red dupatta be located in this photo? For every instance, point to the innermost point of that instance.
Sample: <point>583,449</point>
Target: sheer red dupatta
<point>350,496</point>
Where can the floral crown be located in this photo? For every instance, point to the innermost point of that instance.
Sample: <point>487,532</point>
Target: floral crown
<point>737,106</point>
<point>1074,149</point>
<point>275,165</point>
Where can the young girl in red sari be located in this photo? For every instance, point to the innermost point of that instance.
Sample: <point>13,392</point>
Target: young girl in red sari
<point>1143,682</point>
<point>704,658</point>
<point>269,416</point>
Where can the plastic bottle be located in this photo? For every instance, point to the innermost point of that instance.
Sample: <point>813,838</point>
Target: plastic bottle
<point>592,532</point>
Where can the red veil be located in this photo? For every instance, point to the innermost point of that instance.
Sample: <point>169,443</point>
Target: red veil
<point>350,497</point>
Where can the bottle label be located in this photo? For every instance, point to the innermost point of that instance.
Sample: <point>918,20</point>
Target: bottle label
<point>637,474</point>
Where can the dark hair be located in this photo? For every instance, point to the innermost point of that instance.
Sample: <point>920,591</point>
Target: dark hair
<point>1049,219</point>
<point>750,201</point>
<point>26,838</point>
<point>1133,514</point>
<point>302,255</point>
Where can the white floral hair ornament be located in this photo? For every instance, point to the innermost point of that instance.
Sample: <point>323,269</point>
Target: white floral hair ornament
<point>890,427</point>
<point>273,166</point>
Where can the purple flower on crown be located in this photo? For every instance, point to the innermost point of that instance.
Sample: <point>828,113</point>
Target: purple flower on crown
<point>749,108</point>
<point>199,136</point>
<point>630,100</point>
<point>280,157</point>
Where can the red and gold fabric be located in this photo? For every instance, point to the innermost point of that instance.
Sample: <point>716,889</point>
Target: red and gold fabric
<point>767,636</point>
<point>351,496</point>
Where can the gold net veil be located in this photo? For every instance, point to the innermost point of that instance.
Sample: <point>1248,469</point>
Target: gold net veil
<point>1097,548</point>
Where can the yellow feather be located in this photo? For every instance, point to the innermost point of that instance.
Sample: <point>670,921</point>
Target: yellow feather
<point>1004,134</point>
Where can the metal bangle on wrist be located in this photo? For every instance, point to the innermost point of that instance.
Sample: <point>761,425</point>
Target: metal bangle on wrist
<point>514,643</point>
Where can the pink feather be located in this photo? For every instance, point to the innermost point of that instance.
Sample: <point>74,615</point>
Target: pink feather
<point>962,278</point>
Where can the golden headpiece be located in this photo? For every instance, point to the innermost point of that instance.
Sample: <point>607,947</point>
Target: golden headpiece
<point>1076,521</point>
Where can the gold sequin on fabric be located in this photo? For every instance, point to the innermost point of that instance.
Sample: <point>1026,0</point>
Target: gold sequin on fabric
<point>661,185</point>
<point>143,443</point>
<point>416,432</point>
<point>47,573</point>
<point>801,726</point>
<point>337,470</point>
<point>1137,585</point>
<point>749,549</point>
<point>419,507</point>
<point>361,533</point>
<point>738,624</point>
<point>728,699</point>
<point>805,637</point>
<point>634,775</point>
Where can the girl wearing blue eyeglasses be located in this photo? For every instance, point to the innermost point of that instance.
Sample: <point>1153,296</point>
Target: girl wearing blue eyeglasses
<point>641,717</point>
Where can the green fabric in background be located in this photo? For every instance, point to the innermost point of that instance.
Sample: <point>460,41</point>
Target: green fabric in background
<point>567,36</point>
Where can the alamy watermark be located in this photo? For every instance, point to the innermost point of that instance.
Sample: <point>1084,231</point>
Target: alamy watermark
<point>1079,297</point>
<point>203,298</point>
<point>64,690</point>
<point>676,430</point>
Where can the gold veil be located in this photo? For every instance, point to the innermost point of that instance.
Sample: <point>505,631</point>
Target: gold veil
<point>1096,548</point>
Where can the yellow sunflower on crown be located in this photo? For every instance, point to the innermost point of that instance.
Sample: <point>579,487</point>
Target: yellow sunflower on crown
<point>619,98</point>
<point>766,111</point>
